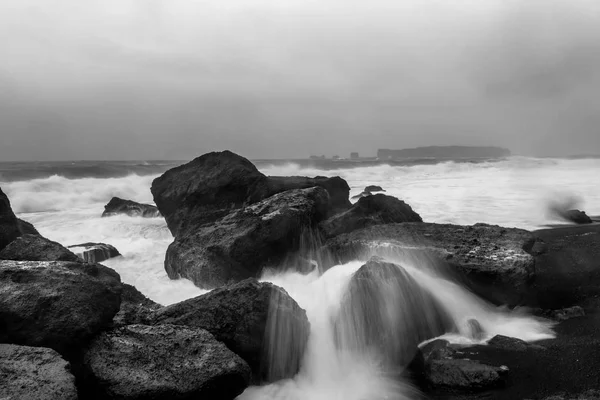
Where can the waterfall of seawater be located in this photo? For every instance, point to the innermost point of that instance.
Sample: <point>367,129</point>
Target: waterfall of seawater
<point>341,362</point>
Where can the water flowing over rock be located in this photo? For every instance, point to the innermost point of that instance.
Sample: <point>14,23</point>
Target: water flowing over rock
<point>135,308</point>
<point>94,252</point>
<point>163,362</point>
<point>56,304</point>
<point>118,206</point>
<point>10,226</point>
<point>369,211</point>
<point>34,373</point>
<point>36,248</point>
<point>239,245</point>
<point>385,310</point>
<point>494,261</point>
<point>258,321</point>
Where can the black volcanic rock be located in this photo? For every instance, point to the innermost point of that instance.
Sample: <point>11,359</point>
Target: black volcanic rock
<point>56,304</point>
<point>36,248</point>
<point>163,362</point>
<point>496,263</point>
<point>369,211</point>
<point>26,228</point>
<point>239,245</point>
<point>118,206</point>
<point>95,252</point>
<point>33,373</point>
<point>386,311</point>
<point>10,226</point>
<point>258,321</point>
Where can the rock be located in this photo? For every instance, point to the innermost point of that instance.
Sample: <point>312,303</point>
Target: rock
<point>163,362</point>
<point>10,227</point>
<point>336,187</point>
<point>568,313</point>
<point>369,211</point>
<point>587,395</point>
<point>476,330</point>
<point>26,228</point>
<point>258,321</point>
<point>239,245</point>
<point>576,216</point>
<point>385,310</point>
<point>95,252</point>
<point>508,343</point>
<point>465,375</point>
<point>56,304</point>
<point>374,188</point>
<point>36,248</point>
<point>493,261</point>
<point>135,308</point>
<point>215,184</point>
<point>207,188</point>
<point>118,206</point>
<point>33,373</point>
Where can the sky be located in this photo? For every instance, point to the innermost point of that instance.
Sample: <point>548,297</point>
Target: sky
<point>173,79</point>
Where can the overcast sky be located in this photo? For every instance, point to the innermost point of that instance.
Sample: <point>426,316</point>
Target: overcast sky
<point>172,79</point>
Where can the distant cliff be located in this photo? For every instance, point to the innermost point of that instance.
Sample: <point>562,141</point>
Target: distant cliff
<point>445,152</point>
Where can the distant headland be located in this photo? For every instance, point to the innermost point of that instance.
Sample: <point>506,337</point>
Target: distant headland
<point>444,152</point>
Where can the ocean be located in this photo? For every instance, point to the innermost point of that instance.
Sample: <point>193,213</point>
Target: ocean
<point>65,201</point>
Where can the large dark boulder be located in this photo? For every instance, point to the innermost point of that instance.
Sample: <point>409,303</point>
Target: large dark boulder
<point>26,228</point>
<point>163,362</point>
<point>131,208</point>
<point>369,211</point>
<point>385,311</point>
<point>56,304</point>
<point>207,189</point>
<point>338,188</point>
<point>94,252</point>
<point>576,216</point>
<point>135,308</point>
<point>496,263</point>
<point>258,321</point>
<point>11,227</point>
<point>36,248</point>
<point>33,373</point>
<point>239,245</point>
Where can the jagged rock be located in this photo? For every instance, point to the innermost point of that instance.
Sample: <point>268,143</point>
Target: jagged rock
<point>36,248</point>
<point>568,313</point>
<point>380,300</point>
<point>34,373</point>
<point>118,206</point>
<point>11,227</point>
<point>26,228</point>
<point>369,211</point>
<point>215,184</point>
<point>576,216</point>
<point>163,362</point>
<point>135,308</point>
<point>494,261</point>
<point>239,245</point>
<point>258,321</point>
<point>94,252</point>
<point>56,304</point>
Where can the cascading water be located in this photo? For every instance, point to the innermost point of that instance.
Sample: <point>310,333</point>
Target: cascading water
<point>341,361</point>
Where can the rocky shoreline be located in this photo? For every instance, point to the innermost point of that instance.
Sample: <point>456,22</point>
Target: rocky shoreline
<point>72,321</point>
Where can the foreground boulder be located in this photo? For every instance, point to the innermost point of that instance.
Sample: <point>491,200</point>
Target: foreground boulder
<point>135,308</point>
<point>239,245</point>
<point>94,252</point>
<point>496,263</point>
<point>10,226</point>
<point>163,362</point>
<point>369,211</point>
<point>385,310</point>
<point>258,321</point>
<point>215,184</point>
<point>33,373</point>
<point>118,206</point>
<point>56,304</point>
<point>36,248</point>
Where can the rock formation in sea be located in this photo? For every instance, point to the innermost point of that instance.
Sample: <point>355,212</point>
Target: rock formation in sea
<point>36,248</point>
<point>94,252</point>
<point>10,226</point>
<point>118,206</point>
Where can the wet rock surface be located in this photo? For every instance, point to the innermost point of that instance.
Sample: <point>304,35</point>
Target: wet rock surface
<point>36,248</point>
<point>239,245</point>
<point>11,227</point>
<point>369,211</point>
<point>34,373</point>
<point>118,206</point>
<point>135,308</point>
<point>94,252</point>
<point>163,362</point>
<point>258,321</point>
<point>59,305</point>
